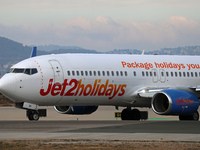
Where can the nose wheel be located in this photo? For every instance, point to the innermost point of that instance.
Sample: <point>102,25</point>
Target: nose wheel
<point>33,115</point>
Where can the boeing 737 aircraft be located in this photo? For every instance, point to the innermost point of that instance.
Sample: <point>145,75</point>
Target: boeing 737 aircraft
<point>79,83</point>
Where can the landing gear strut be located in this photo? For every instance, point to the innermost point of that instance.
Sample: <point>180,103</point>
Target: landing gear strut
<point>32,111</point>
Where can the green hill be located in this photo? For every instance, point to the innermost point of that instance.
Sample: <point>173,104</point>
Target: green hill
<point>11,52</point>
<point>11,49</point>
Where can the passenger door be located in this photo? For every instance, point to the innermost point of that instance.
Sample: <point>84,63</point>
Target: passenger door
<point>58,71</point>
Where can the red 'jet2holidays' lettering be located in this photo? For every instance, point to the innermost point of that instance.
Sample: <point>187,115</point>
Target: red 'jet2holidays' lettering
<point>77,88</point>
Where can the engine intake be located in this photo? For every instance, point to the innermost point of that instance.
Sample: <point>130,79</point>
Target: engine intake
<point>174,102</point>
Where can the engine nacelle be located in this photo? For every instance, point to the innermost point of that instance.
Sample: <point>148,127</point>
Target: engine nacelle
<point>174,102</point>
<point>75,110</point>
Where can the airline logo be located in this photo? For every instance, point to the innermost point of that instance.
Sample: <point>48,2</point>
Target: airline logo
<point>184,102</point>
<point>76,88</point>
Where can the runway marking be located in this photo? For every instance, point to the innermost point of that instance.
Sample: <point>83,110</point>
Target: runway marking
<point>161,119</point>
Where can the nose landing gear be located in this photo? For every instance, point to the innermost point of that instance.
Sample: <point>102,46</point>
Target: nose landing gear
<point>34,115</point>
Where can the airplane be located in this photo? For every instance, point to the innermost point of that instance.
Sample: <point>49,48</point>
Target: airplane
<point>77,84</point>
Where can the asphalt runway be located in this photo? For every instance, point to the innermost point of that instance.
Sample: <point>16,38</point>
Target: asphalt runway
<point>16,126</point>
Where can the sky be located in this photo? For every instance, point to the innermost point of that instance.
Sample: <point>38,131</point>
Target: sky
<point>102,25</point>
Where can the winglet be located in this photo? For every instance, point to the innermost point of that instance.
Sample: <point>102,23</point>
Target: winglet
<point>34,51</point>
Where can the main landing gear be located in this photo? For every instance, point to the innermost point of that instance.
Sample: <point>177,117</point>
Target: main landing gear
<point>133,114</point>
<point>194,116</point>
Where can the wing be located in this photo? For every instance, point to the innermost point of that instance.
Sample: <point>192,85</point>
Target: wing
<point>149,92</point>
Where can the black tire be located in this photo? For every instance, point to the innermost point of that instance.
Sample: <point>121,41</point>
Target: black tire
<point>130,114</point>
<point>35,116</point>
<point>135,114</point>
<point>125,114</point>
<point>194,116</point>
<point>30,117</point>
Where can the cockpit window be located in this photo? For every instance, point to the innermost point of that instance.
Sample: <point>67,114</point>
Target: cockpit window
<point>31,71</point>
<point>11,70</point>
<point>34,71</point>
<point>28,71</point>
<point>16,70</point>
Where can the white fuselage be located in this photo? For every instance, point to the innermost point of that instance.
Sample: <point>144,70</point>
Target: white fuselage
<point>97,79</point>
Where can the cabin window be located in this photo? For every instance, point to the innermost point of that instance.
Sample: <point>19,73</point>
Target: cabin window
<point>77,72</point>
<point>142,73</point>
<point>112,72</point>
<point>73,73</point>
<point>150,73</point>
<point>99,73</point>
<point>68,73</point>
<point>134,73</point>
<point>94,73</point>
<point>121,73</point>
<point>192,74</point>
<point>154,74</point>
<point>176,74</point>
<point>188,74</point>
<point>180,74</point>
<point>82,73</point>
<point>86,73</point>
<point>103,72</point>
<point>108,73</point>
<point>162,73</point>
<point>147,74</point>
<point>172,74</point>
<point>167,74</point>
<point>90,73</point>
<point>195,74</point>
<point>117,73</point>
<point>184,74</point>
<point>125,73</point>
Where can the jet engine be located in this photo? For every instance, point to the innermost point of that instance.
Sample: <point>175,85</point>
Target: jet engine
<point>75,110</point>
<point>174,102</point>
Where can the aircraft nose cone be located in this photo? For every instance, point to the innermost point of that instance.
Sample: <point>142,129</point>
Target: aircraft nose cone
<point>7,85</point>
